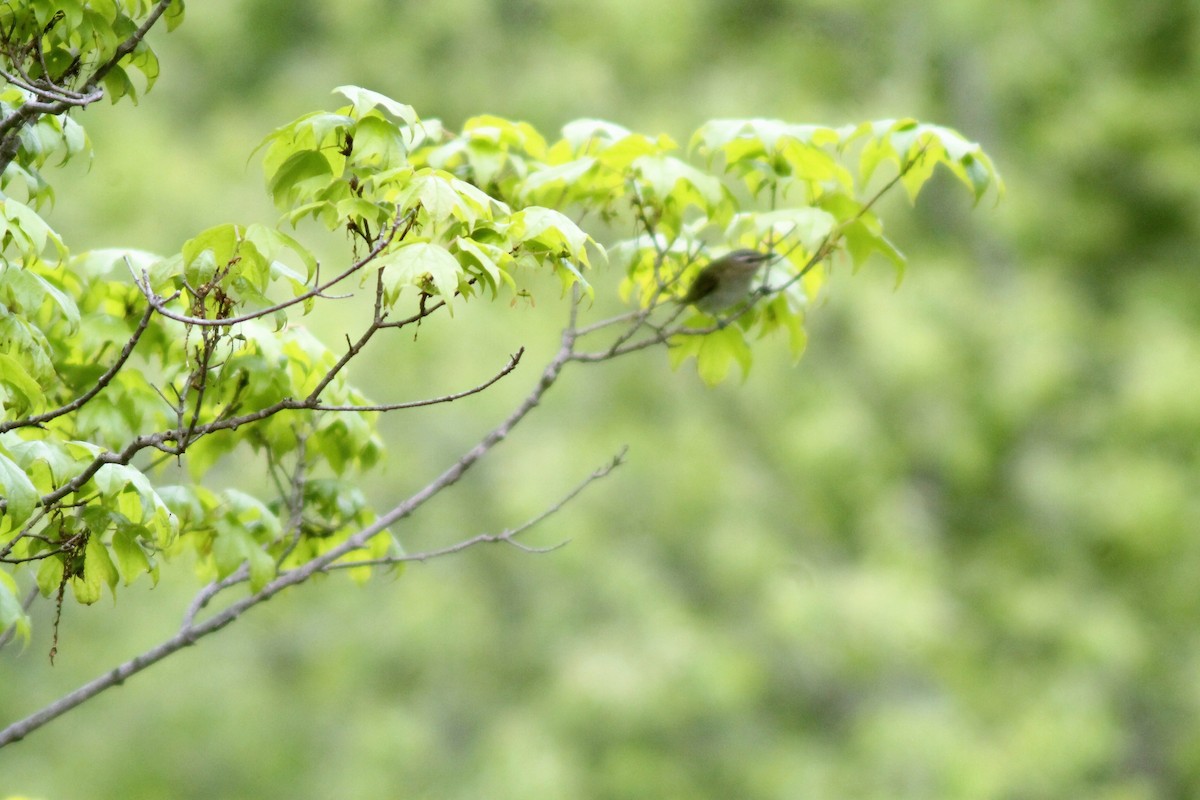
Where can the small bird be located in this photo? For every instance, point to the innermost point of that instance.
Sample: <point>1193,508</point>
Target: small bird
<point>724,281</point>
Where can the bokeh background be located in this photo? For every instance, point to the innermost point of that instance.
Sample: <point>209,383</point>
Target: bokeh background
<point>955,552</point>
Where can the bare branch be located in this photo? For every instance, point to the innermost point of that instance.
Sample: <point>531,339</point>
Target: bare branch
<point>50,92</point>
<point>513,360</point>
<point>295,498</point>
<point>507,536</point>
<point>628,316</point>
<point>417,317</point>
<point>205,595</point>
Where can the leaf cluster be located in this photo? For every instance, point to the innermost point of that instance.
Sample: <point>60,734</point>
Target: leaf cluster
<point>116,366</point>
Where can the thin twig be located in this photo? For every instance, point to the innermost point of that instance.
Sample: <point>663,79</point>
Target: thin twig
<point>126,47</point>
<point>506,537</point>
<point>159,303</point>
<point>663,333</point>
<point>193,631</point>
<point>628,316</point>
<point>159,440</point>
<point>29,111</point>
<point>101,382</point>
<point>205,595</point>
<point>513,360</point>
<point>295,502</point>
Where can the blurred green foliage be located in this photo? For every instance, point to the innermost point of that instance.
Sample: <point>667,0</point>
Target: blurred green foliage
<point>951,554</point>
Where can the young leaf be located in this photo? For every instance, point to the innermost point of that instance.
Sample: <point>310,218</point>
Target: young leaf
<point>364,100</point>
<point>17,490</point>
<point>549,230</point>
<point>19,392</point>
<point>98,571</point>
<point>12,614</point>
<point>427,266</point>
<point>131,559</point>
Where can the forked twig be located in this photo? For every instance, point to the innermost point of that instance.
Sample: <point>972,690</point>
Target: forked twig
<point>507,536</point>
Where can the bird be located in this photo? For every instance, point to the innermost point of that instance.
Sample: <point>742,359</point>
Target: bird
<point>724,281</point>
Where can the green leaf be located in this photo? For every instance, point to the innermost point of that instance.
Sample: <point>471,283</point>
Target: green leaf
<point>797,337</point>
<point>299,178</point>
<point>101,262</point>
<point>965,159</point>
<point>886,140</point>
<point>437,195</point>
<point>117,85</point>
<point>377,143</point>
<point>478,200</point>
<point>12,614</point>
<point>670,178</point>
<point>174,15</point>
<point>244,527</point>
<point>345,439</point>
<point>67,310</point>
<point>49,575</point>
<point>979,174</point>
<point>18,492</point>
<point>18,380</point>
<point>427,266</point>
<point>782,228</point>
<point>191,505</point>
<point>864,237</point>
<point>231,548</point>
<point>131,558</point>
<point>364,100</point>
<point>558,177</point>
<point>506,134</point>
<point>29,232</point>
<point>208,250</point>
<point>262,568</point>
<point>718,351</point>
<point>98,571</point>
<point>308,133</point>
<point>131,490</point>
<point>272,243</point>
<point>585,133</point>
<point>550,230</point>
<point>485,257</point>
<point>46,461</point>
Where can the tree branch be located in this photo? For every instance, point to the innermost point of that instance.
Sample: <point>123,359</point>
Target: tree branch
<point>159,303</point>
<point>507,536</point>
<point>513,360</point>
<point>663,333</point>
<point>101,382</point>
<point>126,47</point>
<point>59,102</point>
<point>192,631</point>
<point>189,432</point>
